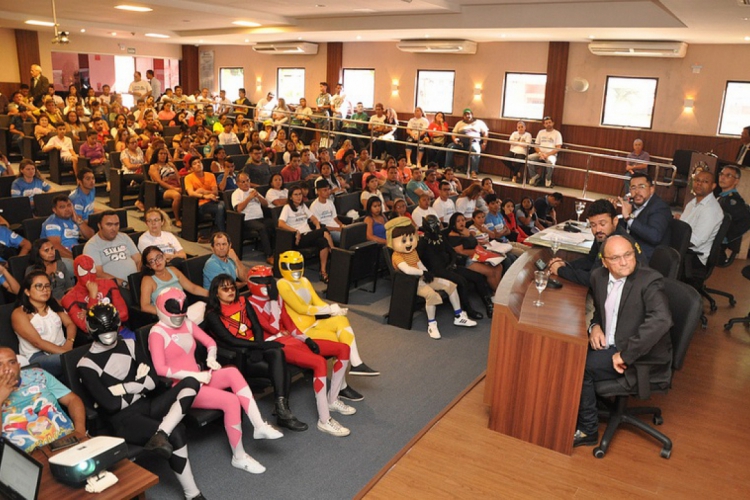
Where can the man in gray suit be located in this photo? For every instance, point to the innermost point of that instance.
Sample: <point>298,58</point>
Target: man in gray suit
<point>631,323</point>
<point>39,85</point>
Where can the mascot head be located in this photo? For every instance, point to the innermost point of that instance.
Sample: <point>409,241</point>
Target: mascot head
<point>401,235</point>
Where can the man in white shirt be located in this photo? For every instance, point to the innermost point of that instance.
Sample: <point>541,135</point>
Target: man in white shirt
<point>423,210</point>
<point>264,109</point>
<point>548,141</point>
<point>325,210</point>
<point>225,105</point>
<point>473,138</point>
<point>250,202</point>
<point>139,89</point>
<point>62,143</point>
<point>155,84</point>
<point>444,206</point>
<point>704,214</point>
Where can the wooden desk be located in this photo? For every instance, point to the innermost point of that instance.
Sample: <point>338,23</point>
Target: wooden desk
<point>536,358</point>
<point>133,481</point>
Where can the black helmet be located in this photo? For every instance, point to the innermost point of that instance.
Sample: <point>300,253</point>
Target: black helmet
<point>103,322</point>
<point>432,227</point>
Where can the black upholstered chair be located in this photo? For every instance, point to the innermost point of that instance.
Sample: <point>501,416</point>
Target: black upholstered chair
<point>679,239</point>
<point>746,319</point>
<point>666,260</point>
<point>684,303</point>
<point>8,337</point>
<point>356,259</point>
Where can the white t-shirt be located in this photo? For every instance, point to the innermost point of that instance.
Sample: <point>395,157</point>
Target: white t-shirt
<point>325,212</point>
<point>230,138</point>
<point>419,214</point>
<point>297,220</point>
<point>466,206</point>
<point>444,209</point>
<point>516,137</point>
<point>277,194</point>
<point>548,140</point>
<point>166,241</point>
<point>419,124</point>
<point>366,195</point>
<point>142,88</point>
<point>253,210</point>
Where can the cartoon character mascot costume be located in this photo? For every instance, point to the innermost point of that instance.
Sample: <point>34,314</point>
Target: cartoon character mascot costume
<point>172,345</point>
<point>118,377</point>
<point>401,237</point>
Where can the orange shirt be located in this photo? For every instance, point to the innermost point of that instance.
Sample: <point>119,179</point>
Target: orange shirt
<point>207,182</point>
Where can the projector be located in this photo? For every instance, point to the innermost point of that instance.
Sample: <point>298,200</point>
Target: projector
<point>76,465</point>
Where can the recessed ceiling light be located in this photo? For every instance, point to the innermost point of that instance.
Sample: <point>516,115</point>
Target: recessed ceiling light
<point>200,41</point>
<point>113,34</point>
<point>359,37</point>
<point>156,35</point>
<point>247,40</point>
<point>83,30</point>
<point>249,24</point>
<point>133,8</point>
<point>747,38</point>
<point>39,23</point>
<point>502,35</point>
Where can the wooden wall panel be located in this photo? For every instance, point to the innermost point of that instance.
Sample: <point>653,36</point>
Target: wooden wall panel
<point>334,64</point>
<point>7,88</point>
<point>189,77</point>
<point>557,72</point>
<point>27,47</point>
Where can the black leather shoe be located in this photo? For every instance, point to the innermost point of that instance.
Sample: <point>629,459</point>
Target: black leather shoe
<point>583,439</point>
<point>474,314</point>
<point>350,394</point>
<point>363,370</point>
<point>285,418</point>
<point>159,444</point>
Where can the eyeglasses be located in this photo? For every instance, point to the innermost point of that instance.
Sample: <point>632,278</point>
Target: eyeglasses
<point>42,286</point>
<point>153,221</point>
<point>727,174</point>
<point>158,258</point>
<point>639,187</point>
<point>620,258</point>
<point>228,288</point>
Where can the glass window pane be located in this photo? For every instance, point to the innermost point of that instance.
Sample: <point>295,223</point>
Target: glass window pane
<point>359,85</point>
<point>435,91</point>
<point>231,80</point>
<point>629,102</point>
<point>523,95</point>
<point>736,108</point>
<point>124,69</point>
<point>291,84</point>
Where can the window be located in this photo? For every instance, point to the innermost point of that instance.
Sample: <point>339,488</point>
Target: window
<point>435,91</point>
<point>290,84</point>
<point>735,109</point>
<point>523,95</point>
<point>359,85</point>
<point>629,102</point>
<point>231,80</point>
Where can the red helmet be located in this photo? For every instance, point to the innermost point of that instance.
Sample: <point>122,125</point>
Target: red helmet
<point>259,278</point>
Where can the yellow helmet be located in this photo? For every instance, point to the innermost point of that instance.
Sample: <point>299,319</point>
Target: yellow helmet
<point>292,265</point>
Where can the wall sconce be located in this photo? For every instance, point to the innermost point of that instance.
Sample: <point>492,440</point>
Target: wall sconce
<point>478,91</point>
<point>394,87</point>
<point>689,104</point>
<point>258,84</point>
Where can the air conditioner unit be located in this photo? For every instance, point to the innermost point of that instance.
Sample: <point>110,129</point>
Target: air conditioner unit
<point>300,48</point>
<point>638,49</point>
<point>438,46</point>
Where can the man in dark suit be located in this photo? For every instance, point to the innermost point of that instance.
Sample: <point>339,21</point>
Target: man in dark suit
<point>645,215</point>
<point>602,217</point>
<point>631,323</point>
<point>743,155</point>
<point>39,85</point>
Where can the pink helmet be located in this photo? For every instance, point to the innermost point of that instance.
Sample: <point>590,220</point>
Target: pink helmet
<point>171,307</point>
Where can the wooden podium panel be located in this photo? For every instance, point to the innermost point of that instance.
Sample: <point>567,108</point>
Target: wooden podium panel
<point>536,359</point>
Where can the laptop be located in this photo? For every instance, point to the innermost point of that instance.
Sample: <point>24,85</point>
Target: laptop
<point>20,474</point>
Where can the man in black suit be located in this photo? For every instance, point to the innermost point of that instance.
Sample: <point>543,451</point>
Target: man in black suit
<point>39,85</point>
<point>602,217</point>
<point>645,215</point>
<point>743,155</point>
<point>631,323</point>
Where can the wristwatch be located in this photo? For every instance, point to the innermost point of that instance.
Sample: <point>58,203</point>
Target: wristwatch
<point>631,216</point>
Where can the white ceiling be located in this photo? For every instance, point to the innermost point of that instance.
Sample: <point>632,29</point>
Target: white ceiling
<point>209,22</point>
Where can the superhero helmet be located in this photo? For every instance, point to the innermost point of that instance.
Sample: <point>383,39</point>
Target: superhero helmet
<point>261,283</point>
<point>292,265</point>
<point>85,269</point>
<point>432,227</point>
<point>171,307</point>
<point>103,323</point>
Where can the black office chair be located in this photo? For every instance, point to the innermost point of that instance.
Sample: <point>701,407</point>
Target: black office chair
<point>684,303</point>
<point>698,277</point>
<point>356,259</point>
<point>8,337</point>
<point>43,203</point>
<point>666,260</point>
<point>746,319</point>
<point>681,160</point>
<point>680,233</point>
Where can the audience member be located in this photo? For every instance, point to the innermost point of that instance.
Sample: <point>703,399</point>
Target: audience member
<point>444,206</point>
<point>742,157</point>
<point>416,187</point>
<point>464,244</point>
<point>548,143</point>
<point>631,167</point>
<point>733,204</point>
<point>43,257</point>
<point>494,221</point>
<point>114,253</point>
<point>466,202</point>
<point>704,214</point>
<point>518,152</point>
<point>516,232</point>
<point>545,206</point>
<point>526,216</point>
<point>203,186</point>
<point>469,134</point>
<point>392,189</point>
<point>158,234</point>
<point>292,172</point>
<point>64,145</point>
<point>65,227</point>
<point>257,168</point>
<point>375,221</point>
<point>324,210</point>
<point>248,201</point>
<point>223,260</point>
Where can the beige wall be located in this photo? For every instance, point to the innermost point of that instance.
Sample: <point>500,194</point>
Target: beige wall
<point>676,82</point>
<point>9,57</point>
<point>264,66</point>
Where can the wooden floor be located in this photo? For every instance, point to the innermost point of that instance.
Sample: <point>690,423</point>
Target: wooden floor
<point>707,416</point>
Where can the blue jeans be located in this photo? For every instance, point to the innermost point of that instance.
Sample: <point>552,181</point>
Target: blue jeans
<point>48,362</point>
<point>217,212</point>
<point>474,149</point>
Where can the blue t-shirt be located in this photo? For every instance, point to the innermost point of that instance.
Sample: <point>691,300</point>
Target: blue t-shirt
<point>83,203</point>
<point>494,222</point>
<point>65,229</point>
<point>215,266</point>
<point>231,182</point>
<point>9,239</point>
<point>22,188</point>
<point>32,417</point>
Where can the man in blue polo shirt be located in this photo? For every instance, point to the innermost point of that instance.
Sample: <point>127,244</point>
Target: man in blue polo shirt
<point>64,227</point>
<point>84,195</point>
<point>12,244</point>
<point>223,261</point>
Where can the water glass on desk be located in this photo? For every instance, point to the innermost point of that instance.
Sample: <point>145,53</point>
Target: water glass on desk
<point>580,207</point>
<point>540,282</point>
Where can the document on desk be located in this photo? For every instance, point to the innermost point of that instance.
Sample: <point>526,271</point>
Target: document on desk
<point>566,237</point>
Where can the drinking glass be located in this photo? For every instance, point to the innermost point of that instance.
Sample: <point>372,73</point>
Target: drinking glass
<point>580,207</point>
<point>540,282</point>
<point>555,245</point>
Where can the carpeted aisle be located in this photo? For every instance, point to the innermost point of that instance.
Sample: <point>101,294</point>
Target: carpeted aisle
<point>419,378</point>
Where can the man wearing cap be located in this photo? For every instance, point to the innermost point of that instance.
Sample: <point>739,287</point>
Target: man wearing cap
<point>548,143</point>
<point>469,135</point>
<point>264,109</point>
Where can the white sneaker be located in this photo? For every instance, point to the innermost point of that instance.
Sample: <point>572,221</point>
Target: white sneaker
<point>463,320</point>
<point>342,408</point>
<point>248,464</point>
<point>432,330</point>
<point>267,431</point>
<point>534,179</point>
<point>548,183</point>
<point>333,428</point>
